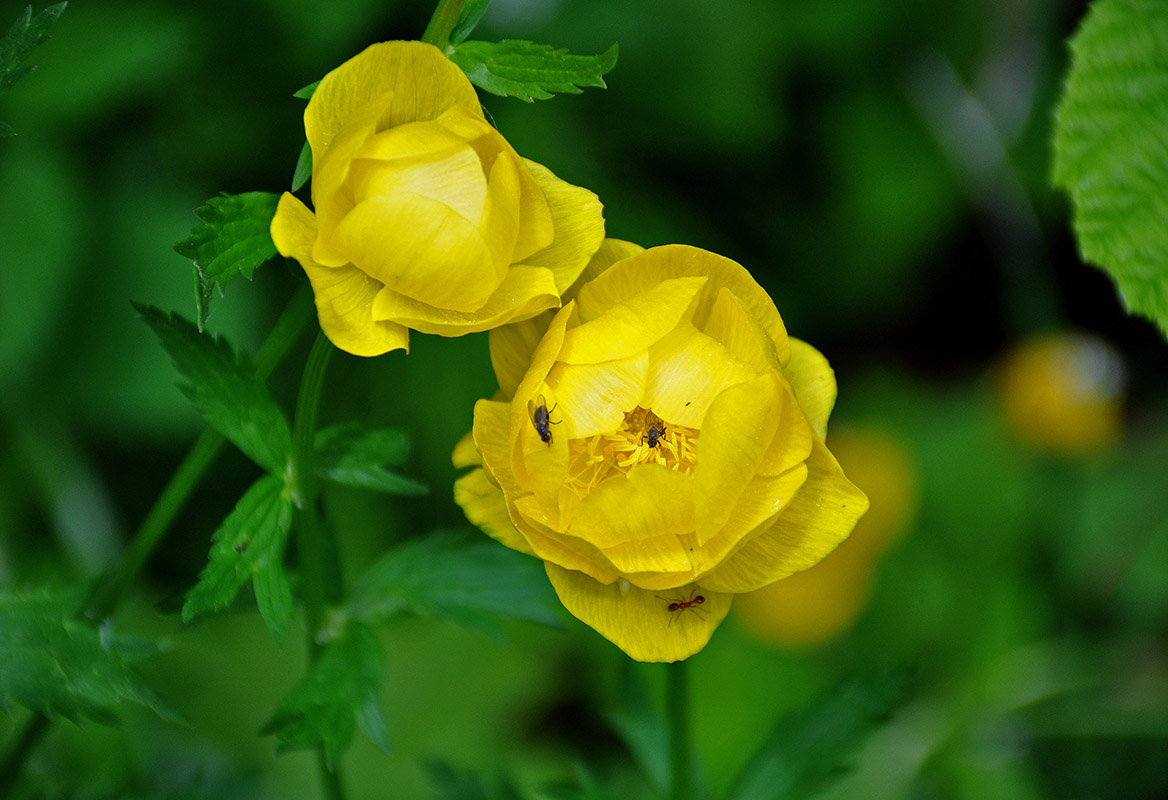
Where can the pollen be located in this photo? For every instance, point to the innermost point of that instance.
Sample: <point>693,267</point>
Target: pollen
<point>594,458</point>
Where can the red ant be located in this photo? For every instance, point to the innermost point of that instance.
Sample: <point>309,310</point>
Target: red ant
<point>677,605</point>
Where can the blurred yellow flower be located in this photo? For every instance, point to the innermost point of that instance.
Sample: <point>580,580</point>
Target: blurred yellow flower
<point>1062,392</point>
<point>818,604</point>
<point>426,218</point>
<point>658,443</point>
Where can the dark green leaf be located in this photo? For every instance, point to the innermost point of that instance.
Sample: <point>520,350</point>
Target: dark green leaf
<point>223,385</point>
<point>56,665</point>
<point>305,92</point>
<point>249,545</point>
<point>356,456</point>
<point>234,239</point>
<point>468,18</point>
<point>339,693</point>
<point>471,582</point>
<point>22,38</point>
<point>530,71</point>
<point>811,747</point>
<point>451,783</point>
<point>6,130</point>
<point>1109,148</point>
<point>303,170</point>
<point>644,733</point>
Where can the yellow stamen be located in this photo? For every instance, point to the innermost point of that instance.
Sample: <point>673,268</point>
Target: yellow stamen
<point>594,458</point>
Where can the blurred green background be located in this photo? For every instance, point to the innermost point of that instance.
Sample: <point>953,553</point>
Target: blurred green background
<point>881,167</point>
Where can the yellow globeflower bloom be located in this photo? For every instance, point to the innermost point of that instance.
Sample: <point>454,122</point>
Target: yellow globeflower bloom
<point>815,606</point>
<point>1062,392</point>
<point>426,218</point>
<point>658,443</point>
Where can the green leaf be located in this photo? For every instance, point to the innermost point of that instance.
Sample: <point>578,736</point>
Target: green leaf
<point>468,581</point>
<point>813,746</point>
<point>54,664</point>
<point>303,170</point>
<point>249,545</point>
<point>234,239</point>
<point>1110,152</point>
<point>6,130</point>
<point>644,733</point>
<point>222,384</point>
<point>338,695</point>
<point>22,38</point>
<point>468,18</point>
<point>353,455</point>
<point>306,92</point>
<point>530,71</point>
<point>452,783</point>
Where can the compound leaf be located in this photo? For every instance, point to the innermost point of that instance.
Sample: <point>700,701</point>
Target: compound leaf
<point>528,70</point>
<point>356,456</point>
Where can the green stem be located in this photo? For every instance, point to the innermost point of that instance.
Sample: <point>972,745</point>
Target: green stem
<point>316,550</point>
<point>442,23</point>
<point>10,769</point>
<point>680,746</point>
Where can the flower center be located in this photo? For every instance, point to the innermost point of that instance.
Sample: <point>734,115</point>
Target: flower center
<point>642,438</point>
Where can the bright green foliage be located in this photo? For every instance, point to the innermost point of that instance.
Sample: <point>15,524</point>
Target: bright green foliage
<point>17,45</point>
<point>356,456</point>
<point>468,18</point>
<point>1111,154</point>
<point>233,240</point>
<point>222,384</point>
<point>249,546</point>
<point>338,694</point>
<point>451,783</point>
<point>471,582</point>
<point>56,665</point>
<point>303,170</point>
<point>813,746</point>
<point>528,70</point>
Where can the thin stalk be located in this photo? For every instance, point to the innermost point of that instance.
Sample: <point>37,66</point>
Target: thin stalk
<point>442,23</point>
<point>680,745</point>
<point>315,550</point>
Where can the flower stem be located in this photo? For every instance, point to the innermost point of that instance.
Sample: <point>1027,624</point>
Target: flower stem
<point>316,551</point>
<point>680,746</point>
<point>442,23</point>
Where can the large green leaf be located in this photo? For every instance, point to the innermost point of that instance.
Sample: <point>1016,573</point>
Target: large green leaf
<point>338,694</point>
<point>466,580</point>
<point>1111,153</point>
<point>249,546</point>
<point>356,456</point>
<point>528,70</point>
<point>17,45</point>
<point>54,664</point>
<point>234,239</point>
<point>223,385</point>
<point>813,746</point>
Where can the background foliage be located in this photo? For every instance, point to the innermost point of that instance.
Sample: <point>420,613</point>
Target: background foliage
<point>882,168</point>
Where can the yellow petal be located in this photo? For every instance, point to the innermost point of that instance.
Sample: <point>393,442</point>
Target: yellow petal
<point>418,79</point>
<point>610,252</point>
<point>631,326</point>
<point>545,463</point>
<point>639,622</point>
<point>813,381</point>
<point>736,433</point>
<point>793,439</point>
<point>465,453</point>
<point>344,295</point>
<point>641,272</point>
<point>535,383</point>
<point>578,220</point>
<point>649,501</point>
<point>595,397</point>
<point>512,345</point>
<point>421,248</point>
<point>729,325</point>
<point>484,506</point>
<point>820,516</point>
<point>500,223</point>
<point>533,521</point>
<point>656,556</point>
<point>525,291</point>
<point>687,370</point>
<point>492,437</point>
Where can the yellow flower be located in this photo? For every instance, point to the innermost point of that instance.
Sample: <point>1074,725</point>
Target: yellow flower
<point>658,443</point>
<point>1062,392</point>
<point>814,606</point>
<point>425,216</point>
